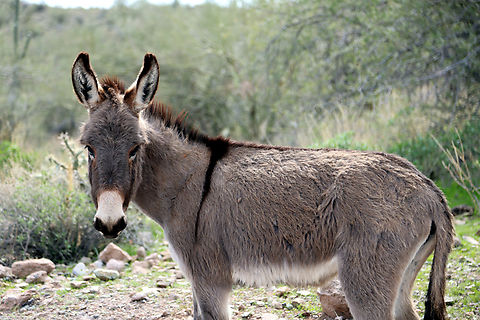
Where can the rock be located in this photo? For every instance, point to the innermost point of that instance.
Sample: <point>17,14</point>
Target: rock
<point>139,296</point>
<point>78,284</point>
<point>277,305</point>
<point>178,274</point>
<point>86,260</point>
<point>471,240</point>
<point>247,315</point>
<point>333,301</point>
<point>269,316</point>
<point>5,272</point>
<point>457,242</point>
<point>114,264</point>
<point>98,264</point>
<point>461,209</point>
<point>304,293</point>
<point>106,274</point>
<point>282,291</point>
<point>91,290</point>
<point>38,277</point>
<point>298,302</point>
<point>161,283</point>
<point>112,251</point>
<point>141,267</point>
<point>15,299</point>
<point>80,270</point>
<point>21,269</point>
<point>154,259</point>
<point>166,256</point>
<point>88,277</point>
<point>141,253</point>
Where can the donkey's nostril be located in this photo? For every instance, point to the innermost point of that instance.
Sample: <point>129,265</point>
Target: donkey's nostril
<point>98,224</point>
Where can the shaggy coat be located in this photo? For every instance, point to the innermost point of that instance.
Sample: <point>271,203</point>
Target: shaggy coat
<point>238,212</point>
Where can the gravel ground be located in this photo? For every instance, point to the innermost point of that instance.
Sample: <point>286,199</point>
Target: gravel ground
<point>114,299</point>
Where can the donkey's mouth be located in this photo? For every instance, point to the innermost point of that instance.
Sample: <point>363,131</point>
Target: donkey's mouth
<point>110,232</point>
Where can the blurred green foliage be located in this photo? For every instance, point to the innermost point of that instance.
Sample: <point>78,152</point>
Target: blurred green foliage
<point>425,154</point>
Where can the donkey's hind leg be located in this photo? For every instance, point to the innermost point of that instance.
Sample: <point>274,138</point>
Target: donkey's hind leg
<point>370,279</point>
<point>404,309</point>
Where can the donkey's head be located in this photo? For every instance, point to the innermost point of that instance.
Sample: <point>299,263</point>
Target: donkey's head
<point>114,137</point>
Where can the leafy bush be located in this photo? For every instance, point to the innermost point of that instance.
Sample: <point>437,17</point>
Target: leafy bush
<point>425,154</point>
<point>49,213</point>
<point>9,152</point>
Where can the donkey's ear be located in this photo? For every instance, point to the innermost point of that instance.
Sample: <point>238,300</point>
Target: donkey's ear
<point>141,92</point>
<point>85,81</point>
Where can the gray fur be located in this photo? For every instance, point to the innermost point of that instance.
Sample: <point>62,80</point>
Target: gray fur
<point>279,214</point>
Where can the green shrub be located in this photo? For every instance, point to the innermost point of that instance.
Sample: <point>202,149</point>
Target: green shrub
<point>49,213</point>
<point>9,153</point>
<point>426,155</point>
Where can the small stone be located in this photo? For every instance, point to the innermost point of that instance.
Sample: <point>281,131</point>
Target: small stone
<point>21,285</point>
<point>462,209</point>
<point>304,293</point>
<point>449,301</point>
<point>288,306</point>
<point>269,316</point>
<point>154,259</point>
<point>139,296</point>
<point>163,283</point>
<point>88,277</point>
<point>106,274</point>
<point>333,301</point>
<point>141,267</point>
<point>247,315</point>
<point>471,240</point>
<point>282,291</point>
<point>260,303</point>
<point>38,277</point>
<point>21,269</point>
<point>91,290</point>
<point>78,284</point>
<point>178,274</point>
<point>5,272</point>
<point>141,253</point>
<point>298,302</point>
<point>277,305</point>
<point>80,269</point>
<point>112,251</point>
<point>114,264</point>
<point>457,242</point>
<point>96,265</point>
<point>86,260</point>
<point>166,256</point>
<point>14,299</point>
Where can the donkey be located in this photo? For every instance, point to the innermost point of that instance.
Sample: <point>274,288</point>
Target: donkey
<point>238,212</point>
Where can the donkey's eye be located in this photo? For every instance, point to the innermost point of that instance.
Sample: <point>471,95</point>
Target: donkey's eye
<point>133,153</point>
<point>91,153</point>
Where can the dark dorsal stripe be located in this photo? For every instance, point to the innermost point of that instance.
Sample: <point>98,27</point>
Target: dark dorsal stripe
<point>218,149</point>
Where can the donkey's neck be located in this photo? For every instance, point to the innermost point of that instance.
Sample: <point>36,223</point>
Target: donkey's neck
<point>173,175</point>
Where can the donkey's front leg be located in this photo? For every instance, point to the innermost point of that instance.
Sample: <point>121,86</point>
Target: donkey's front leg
<point>210,300</point>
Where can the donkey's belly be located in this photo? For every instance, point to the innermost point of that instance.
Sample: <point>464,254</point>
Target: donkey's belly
<point>293,274</point>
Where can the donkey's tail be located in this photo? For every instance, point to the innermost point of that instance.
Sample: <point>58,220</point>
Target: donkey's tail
<point>435,308</point>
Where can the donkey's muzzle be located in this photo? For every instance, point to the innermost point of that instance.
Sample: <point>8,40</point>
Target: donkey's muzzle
<point>110,231</point>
